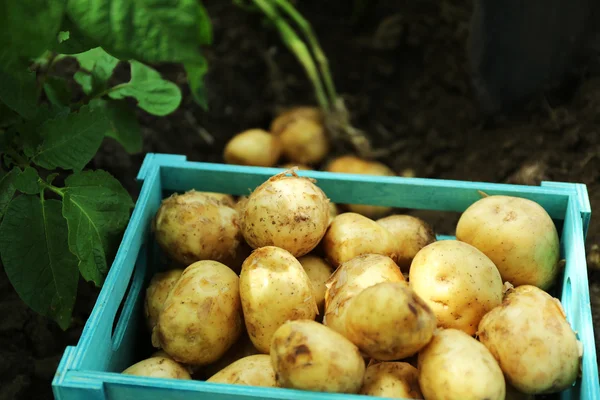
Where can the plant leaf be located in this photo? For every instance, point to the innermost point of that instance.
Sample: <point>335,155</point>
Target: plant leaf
<point>85,80</point>
<point>100,66</point>
<point>71,142</point>
<point>195,75</point>
<point>57,91</point>
<point>29,131</point>
<point>36,257</point>
<point>124,126</point>
<point>7,190</point>
<point>26,181</point>
<point>97,209</point>
<point>153,94</point>
<point>19,91</point>
<point>70,40</point>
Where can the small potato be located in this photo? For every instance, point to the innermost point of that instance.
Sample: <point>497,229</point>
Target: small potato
<point>350,235</point>
<point>309,356</point>
<point>202,316</point>
<point>243,347</point>
<point>157,292</point>
<point>458,282</point>
<point>255,370</point>
<point>396,380</point>
<point>454,365</point>
<point>532,341</point>
<point>158,367</point>
<point>517,234</point>
<point>296,165</point>
<point>388,321</point>
<point>411,234</point>
<point>254,147</point>
<point>274,288</point>
<point>294,114</point>
<point>304,141</point>
<point>319,271</point>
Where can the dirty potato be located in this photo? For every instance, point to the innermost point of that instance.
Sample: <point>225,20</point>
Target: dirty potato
<point>293,114</point>
<point>318,271</point>
<point>304,141</point>
<point>158,367</point>
<point>253,147</point>
<point>398,380</point>
<point>157,292</point>
<point>254,370</point>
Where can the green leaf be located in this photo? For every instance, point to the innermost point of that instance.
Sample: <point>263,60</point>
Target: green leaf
<point>71,142</point>
<point>153,94</point>
<point>7,190</point>
<point>70,40</point>
<point>36,257</point>
<point>97,209</point>
<point>124,126</point>
<point>19,91</point>
<point>195,75</point>
<point>205,34</point>
<point>57,91</point>
<point>26,181</point>
<point>85,80</point>
<point>7,116</point>
<point>145,30</point>
<point>99,66</point>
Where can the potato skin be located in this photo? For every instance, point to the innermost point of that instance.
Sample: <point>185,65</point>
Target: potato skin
<point>454,365</point>
<point>157,292</point>
<point>243,347</point>
<point>253,147</point>
<point>293,114</point>
<point>319,271</point>
<point>458,282</point>
<point>158,367</point>
<point>532,341</point>
<point>304,141</point>
<point>255,370</point>
<point>392,380</point>
<point>517,234</point>
<point>202,316</point>
<point>307,355</point>
<point>274,288</point>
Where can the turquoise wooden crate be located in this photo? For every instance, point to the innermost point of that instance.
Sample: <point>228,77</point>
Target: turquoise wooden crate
<point>115,337</point>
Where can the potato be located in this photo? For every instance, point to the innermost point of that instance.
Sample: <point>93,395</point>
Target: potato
<point>318,271</point>
<point>458,282</point>
<point>243,347</point>
<point>157,292</point>
<point>350,235</point>
<point>294,114</point>
<point>195,226</point>
<point>388,321</point>
<point>221,197</point>
<point>296,165</point>
<point>532,341</point>
<point>202,316</point>
<point>309,356</point>
<point>398,380</point>
<point>349,279</point>
<point>454,365</point>
<point>158,367</point>
<point>289,212</point>
<point>333,212</point>
<point>514,394</point>
<point>517,234</point>
<point>255,370</point>
<point>253,147</point>
<point>274,288</point>
<point>304,141</point>
<point>411,235</point>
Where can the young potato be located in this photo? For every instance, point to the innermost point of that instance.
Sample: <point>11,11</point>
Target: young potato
<point>274,288</point>
<point>202,316</point>
<point>454,365</point>
<point>350,235</point>
<point>254,147</point>
<point>458,282</point>
<point>333,212</point>
<point>294,114</point>
<point>532,341</point>
<point>388,321</point>
<point>254,370</point>
<point>221,197</point>
<point>397,380</point>
<point>318,271</point>
<point>304,141</point>
<point>411,234</point>
<point>517,234</point>
<point>157,292</point>
<point>243,347</point>
<point>158,367</point>
<point>289,212</point>
<point>296,165</point>
<point>309,356</point>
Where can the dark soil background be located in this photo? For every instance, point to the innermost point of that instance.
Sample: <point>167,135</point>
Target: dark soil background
<point>401,68</point>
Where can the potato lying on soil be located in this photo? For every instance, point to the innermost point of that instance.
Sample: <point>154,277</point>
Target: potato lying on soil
<point>398,380</point>
<point>350,235</point>
<point>304,141</point>
<point>255,370</point>
<point>411,235</point>
<point>243,347</point>
<point>289,212</point>
<point>532,341</point>
<point>454,365</point>
<point>274,288</point>
<point>458,282</point>
<point>202,316</point>
<point>388,321</point>
<point>294,114</point>
<point>157,292</point>
<point>195,226</point>
<point>307,355</point>
<point>517,234</point>
<point>158,367</point>
<point>318,271</point>
<point>254,147</point>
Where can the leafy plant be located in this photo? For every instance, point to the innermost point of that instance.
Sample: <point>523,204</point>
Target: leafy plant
<point>52,233</point>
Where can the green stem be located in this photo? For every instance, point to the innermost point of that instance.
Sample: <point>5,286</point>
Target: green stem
<point>50,187</point>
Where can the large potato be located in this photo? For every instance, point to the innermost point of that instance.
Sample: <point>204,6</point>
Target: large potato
<point>157,292</point>
<point>255,370</point>
<point>290,212</point>
<point>517,234</point>
<point>202,316</point>
<point>398,380</point>
<point>274,288</point>
<point>458,282</point>
<point>254,147</point>
<point>388,321</point>
<point>309,356</point>
<point>158,367</point>
<point>454,365</point>
<point>532,341</point>
<point>350,235</point>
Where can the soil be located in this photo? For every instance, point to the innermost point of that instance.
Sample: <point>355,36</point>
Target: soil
<point>401,68</point>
